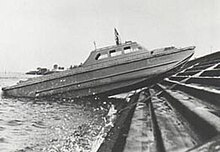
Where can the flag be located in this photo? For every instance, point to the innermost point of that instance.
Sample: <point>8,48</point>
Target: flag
<point>117,37</point>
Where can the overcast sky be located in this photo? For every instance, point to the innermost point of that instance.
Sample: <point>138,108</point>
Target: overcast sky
<point>41,33</point>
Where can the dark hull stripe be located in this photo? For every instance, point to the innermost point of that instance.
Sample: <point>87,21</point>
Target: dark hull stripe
<point>121,85</point>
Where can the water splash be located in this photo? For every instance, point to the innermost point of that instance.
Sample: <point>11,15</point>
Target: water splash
<point>59,125</point>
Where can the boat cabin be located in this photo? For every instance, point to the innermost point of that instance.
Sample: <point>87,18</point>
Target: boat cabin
<point>103,54</point>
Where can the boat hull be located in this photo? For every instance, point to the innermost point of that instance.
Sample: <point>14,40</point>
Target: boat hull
<point>117,78</point>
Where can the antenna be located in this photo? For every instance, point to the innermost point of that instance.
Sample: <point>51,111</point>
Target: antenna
<point>94,45</point>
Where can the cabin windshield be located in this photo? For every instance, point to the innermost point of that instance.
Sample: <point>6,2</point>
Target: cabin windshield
<point>129,49</point>
<point>119,51</point>
<point>101,56</point>
<point>115,53</point>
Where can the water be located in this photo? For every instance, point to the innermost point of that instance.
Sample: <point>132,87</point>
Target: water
<point>28,125</point>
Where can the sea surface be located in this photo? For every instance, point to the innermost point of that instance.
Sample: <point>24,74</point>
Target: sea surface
<point>28,125</point>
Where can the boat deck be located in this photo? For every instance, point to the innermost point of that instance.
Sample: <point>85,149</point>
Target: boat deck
<point>181,113</point>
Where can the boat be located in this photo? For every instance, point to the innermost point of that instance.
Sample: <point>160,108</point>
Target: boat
<point>107,71</point>
<point>40,71</point>
<point>45,71</point>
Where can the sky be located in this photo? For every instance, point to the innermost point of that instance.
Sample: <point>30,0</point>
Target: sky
<point>41,33</point>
